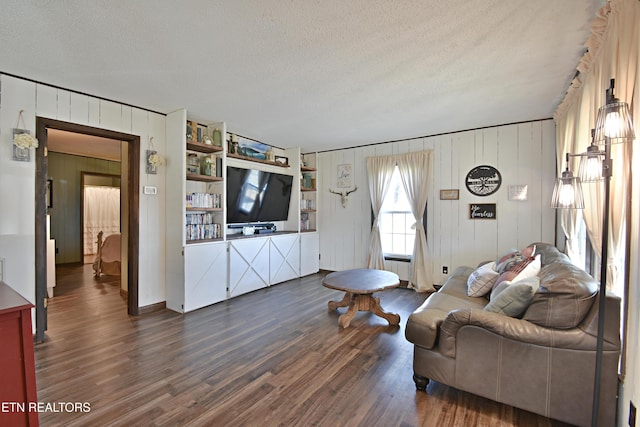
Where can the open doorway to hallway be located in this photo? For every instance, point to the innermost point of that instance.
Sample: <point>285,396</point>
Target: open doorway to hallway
<point>67,153</point>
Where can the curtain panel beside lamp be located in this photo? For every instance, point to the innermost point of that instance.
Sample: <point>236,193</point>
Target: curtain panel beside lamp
<point>613,125</point>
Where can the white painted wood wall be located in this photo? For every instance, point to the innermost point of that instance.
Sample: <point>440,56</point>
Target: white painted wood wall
<point>523,153</point>
<point>17,179</point>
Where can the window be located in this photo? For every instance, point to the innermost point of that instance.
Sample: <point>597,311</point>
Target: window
<point>396,221</point>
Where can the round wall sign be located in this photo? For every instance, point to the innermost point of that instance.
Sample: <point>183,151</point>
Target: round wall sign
<point>483,180</point>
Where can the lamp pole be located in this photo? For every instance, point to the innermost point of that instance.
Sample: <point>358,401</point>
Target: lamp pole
<point>602,298</point>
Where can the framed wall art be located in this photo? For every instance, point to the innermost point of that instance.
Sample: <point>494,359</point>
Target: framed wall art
<point>483,180</point>
<point>344,176</point>
<point>450,194</point>
<point>517,193</point>
<point>482,211</point>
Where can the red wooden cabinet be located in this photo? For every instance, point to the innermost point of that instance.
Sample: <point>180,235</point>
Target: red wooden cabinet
<point>17,363</point>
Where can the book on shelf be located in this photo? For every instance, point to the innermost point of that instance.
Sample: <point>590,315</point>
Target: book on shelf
<point>203,200</point>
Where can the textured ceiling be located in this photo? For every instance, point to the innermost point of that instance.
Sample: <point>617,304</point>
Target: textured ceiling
<point>309,73</point>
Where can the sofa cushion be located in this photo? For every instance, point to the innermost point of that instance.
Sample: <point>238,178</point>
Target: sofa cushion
<point>482,280</point>
<point>550,254</point>
<point>512,298</point>
<point>565,296</point>
<point>423,324</point>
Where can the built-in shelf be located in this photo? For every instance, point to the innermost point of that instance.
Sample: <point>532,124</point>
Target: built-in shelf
<point>307,210</point>
<point>307,169</point>
<point>308,231</point>
<point>307,189</point>
<point>203,178</point>
<point>203,148</point>
<point>204,209</point>
<point>251,159</point>
<point>190,242</point>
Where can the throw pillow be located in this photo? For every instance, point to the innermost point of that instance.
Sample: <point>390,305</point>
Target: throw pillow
<point>534,282</point>
<point>511,301</point>
<point>529,251</point>
<point>481,280</point>
<point>508,260</point>
<point>526,268</point>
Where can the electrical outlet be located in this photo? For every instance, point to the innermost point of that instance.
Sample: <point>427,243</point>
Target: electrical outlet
<point>632,414</point>
<point>445,269</point>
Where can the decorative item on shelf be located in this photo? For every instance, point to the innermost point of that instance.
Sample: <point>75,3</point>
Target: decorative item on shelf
<point>208,166</point>
<point>153,159</point>
<point>191,128</point>
<point>234,144</point>
<point>23,141</point>
<point>217,137</point>
<point>282,160</point>
<point>306,180</point>
<point>206,138</point>
<point>269,155</point>
<point>193,165</point>
<point>344,196</point>
<point>251,148</point>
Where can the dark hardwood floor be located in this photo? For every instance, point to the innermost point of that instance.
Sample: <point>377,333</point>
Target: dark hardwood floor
<point>272,357</point>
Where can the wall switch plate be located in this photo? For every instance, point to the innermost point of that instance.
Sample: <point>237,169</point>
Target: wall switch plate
<point>150,190</point>
<point>445,270</point>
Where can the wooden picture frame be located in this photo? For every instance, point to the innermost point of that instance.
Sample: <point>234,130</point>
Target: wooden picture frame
<point>450,194</point>
<point>49,193</point>
<point>518,193</point>
<point>344,175</point>
<point>282,160</point>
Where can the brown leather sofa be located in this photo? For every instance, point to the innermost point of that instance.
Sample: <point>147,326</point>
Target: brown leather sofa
<point>543,362</point>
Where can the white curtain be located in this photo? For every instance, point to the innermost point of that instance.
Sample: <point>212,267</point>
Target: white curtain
<point>379,172</point>
<point>101,213</point>
<point>613,52</point>
<point>415,173</point>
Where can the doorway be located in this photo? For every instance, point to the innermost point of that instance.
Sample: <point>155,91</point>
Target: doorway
<point>130,173</point>
<point>100,210</point>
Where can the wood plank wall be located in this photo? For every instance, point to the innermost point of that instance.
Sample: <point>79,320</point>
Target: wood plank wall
<point>65,170</point>
<point>523,153</point>
<point>17,182</point>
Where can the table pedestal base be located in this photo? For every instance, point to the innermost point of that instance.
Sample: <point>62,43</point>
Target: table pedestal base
<point>361,302</point>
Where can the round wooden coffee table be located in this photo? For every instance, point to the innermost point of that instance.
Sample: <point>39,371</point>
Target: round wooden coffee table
<point>359,286</point>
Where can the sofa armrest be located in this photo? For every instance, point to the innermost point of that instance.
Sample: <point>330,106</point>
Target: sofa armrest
<point>514,329</point>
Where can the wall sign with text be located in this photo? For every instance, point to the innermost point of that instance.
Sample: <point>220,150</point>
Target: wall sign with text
<point>482,211</point>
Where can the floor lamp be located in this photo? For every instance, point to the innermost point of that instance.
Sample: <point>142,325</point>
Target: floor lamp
<point>613,125</point>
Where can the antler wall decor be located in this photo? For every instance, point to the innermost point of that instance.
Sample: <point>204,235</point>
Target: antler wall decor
<point>344,195</point>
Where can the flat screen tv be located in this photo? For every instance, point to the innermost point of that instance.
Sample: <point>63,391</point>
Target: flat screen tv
<point>255,195</point>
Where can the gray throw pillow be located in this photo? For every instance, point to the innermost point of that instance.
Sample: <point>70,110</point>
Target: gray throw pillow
<point>510,299</point>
